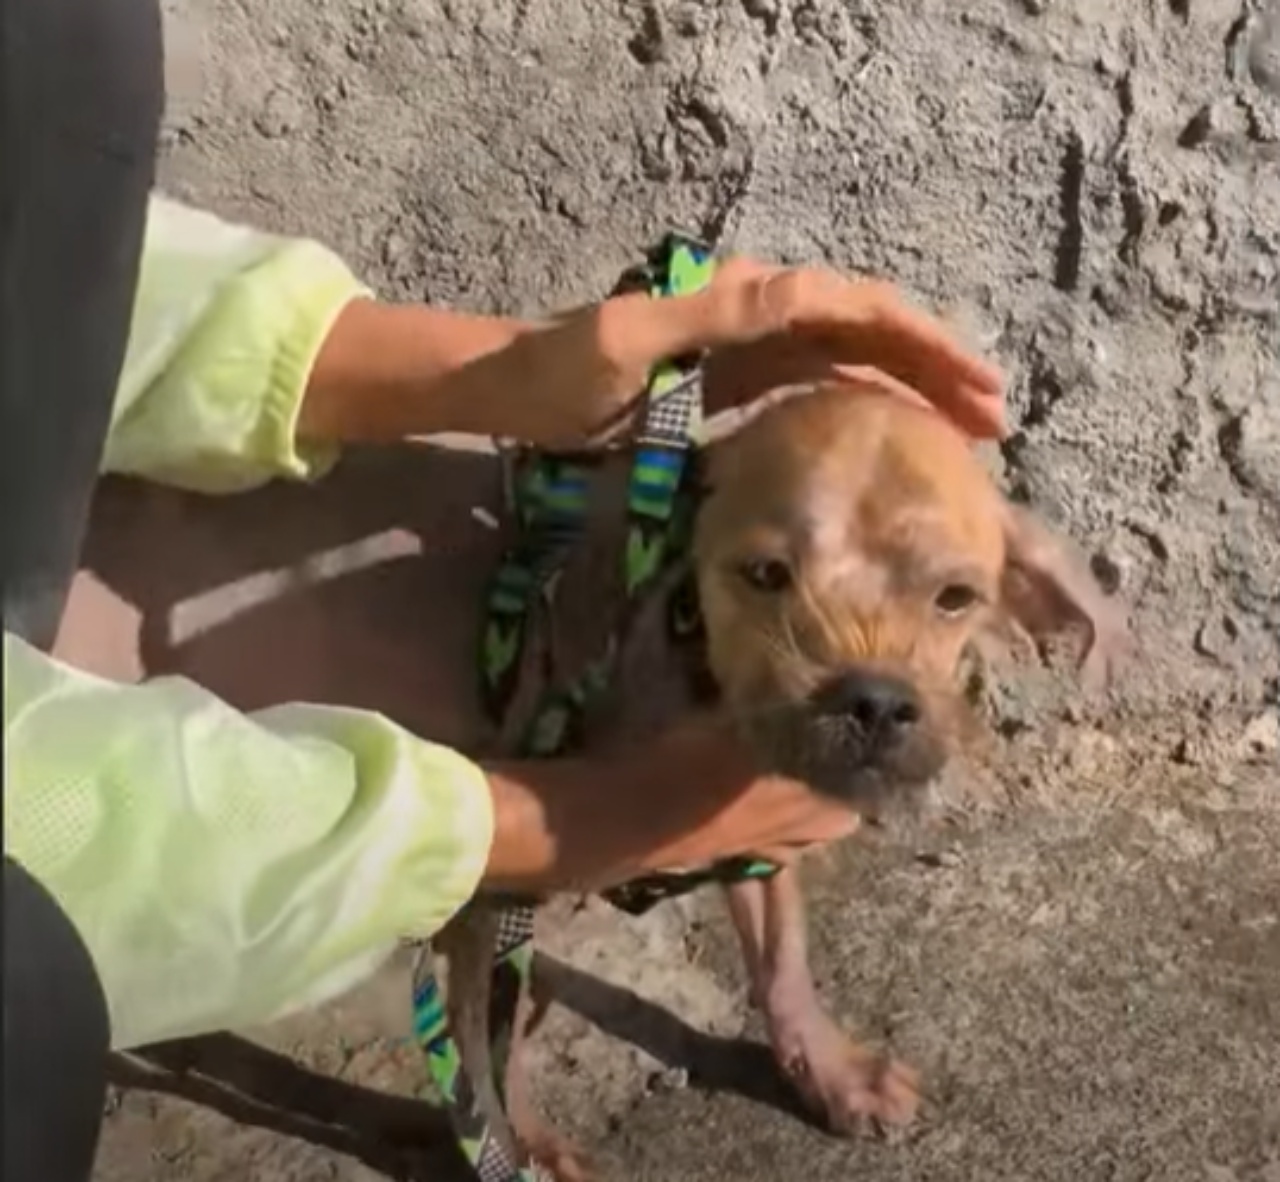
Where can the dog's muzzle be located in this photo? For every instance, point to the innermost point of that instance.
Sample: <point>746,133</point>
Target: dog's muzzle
<point>863,737</point>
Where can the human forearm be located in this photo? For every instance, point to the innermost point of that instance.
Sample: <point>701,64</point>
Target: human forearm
<point>685,799</point>
<point>224,869</point>
<point>253,356</point>
<point>587,823</point>
<point>388,371</point>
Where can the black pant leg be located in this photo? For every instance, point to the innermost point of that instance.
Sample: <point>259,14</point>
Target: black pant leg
<point>56,1039</point>
<point>81,92</point>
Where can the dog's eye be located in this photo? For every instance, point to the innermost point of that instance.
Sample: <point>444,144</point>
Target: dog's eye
<point>955,599</point>
<point>766,574</point>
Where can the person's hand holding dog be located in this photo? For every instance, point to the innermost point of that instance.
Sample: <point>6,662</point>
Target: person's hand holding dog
<point>687,799</point>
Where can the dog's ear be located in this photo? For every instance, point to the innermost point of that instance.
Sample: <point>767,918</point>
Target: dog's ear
<point>1049,595</point>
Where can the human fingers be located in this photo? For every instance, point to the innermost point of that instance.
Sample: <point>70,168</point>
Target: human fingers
<point>789,321</point>
<point>774,816</point>
<point>872,324</point>
<point>777,324</point>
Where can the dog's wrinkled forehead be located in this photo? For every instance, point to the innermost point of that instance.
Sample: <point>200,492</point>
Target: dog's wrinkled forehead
<point>855,478</point>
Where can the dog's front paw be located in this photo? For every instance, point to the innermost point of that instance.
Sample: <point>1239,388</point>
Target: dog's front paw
<point>849,1086</point>
<point>556,1157</point>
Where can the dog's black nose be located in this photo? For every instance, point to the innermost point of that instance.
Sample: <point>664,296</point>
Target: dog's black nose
<point>884,707</point>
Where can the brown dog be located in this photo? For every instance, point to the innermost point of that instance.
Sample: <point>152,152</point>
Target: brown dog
<point>848,552</point>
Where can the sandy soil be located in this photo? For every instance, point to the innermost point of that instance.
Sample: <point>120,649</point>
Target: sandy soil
<point>1086,963</point>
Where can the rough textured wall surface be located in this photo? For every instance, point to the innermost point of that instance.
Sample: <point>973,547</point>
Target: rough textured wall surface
<point>1091,188</point>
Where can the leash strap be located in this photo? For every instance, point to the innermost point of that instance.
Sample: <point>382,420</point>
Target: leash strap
<point>551,507</point>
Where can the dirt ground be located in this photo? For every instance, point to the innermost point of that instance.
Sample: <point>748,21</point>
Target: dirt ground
<point>1084,961</point>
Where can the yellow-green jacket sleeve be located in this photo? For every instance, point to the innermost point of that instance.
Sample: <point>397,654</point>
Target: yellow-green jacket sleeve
<point>225,869</point>
<point>226,326</point>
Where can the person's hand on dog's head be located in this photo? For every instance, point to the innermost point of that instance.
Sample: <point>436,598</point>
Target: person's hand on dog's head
<point>774,327</point>
<point>766,327</point>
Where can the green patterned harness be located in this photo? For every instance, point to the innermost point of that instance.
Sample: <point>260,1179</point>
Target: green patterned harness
<point>551,507</point>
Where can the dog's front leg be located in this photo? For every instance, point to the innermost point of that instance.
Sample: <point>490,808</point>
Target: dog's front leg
<point>845,1083</point>
<point>559,1157</point>
<point>468,943</point>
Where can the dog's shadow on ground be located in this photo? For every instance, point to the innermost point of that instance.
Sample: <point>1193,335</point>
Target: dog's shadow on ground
<point>737,1065</point>
<point>362,590</point>
<point>410,1139</point>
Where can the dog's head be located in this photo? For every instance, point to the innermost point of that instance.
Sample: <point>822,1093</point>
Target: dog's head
<point>850,549</point>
